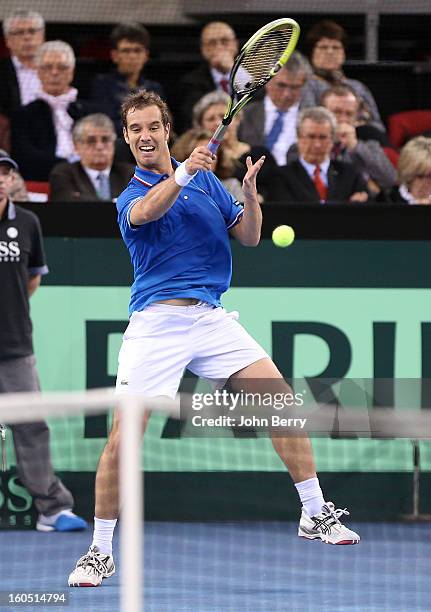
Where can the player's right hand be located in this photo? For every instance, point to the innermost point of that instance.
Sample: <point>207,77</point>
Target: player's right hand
<point>200,158</point>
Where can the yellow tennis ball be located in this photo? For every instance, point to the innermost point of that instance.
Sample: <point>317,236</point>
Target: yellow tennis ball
<point>283,235</point>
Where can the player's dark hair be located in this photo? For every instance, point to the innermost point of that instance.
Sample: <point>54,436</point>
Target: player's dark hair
<point>142,99</point>
<point>134,32</point>
<point>325,29</point>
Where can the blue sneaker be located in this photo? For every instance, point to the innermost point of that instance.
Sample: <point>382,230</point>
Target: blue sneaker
<point>65,520</point>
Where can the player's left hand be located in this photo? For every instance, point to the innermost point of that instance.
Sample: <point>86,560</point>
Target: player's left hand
<point>249,181</point>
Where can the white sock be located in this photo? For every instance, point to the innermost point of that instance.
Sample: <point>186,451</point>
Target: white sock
<point>311,495</point>
<point>103,534</point>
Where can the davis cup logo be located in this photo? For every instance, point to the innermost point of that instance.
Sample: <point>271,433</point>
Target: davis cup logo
<point>12,232</point>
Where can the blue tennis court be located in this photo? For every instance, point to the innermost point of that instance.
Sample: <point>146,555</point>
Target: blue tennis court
<point>233,567</point>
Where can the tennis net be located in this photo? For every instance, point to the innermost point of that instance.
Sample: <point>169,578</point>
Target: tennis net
<point>221,516</point>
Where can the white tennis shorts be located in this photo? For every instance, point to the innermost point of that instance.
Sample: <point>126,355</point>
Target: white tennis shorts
<point>162,340</point>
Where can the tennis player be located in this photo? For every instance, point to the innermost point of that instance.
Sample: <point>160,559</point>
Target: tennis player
<point>176,220</point>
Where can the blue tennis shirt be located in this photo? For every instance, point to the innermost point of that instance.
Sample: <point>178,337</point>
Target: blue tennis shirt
<point>185,253</point>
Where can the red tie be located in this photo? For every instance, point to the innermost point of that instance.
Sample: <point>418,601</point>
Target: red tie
<point>224,83</point>
<point>319,184</point>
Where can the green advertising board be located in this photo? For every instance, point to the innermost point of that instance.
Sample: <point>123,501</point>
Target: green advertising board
<point>363,307</point>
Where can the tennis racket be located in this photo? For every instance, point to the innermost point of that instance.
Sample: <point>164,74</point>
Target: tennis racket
<point>259,60</point>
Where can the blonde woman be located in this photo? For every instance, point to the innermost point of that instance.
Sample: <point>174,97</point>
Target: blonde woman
<point>414,173</point>
<point>224,166</point>
<point>208,114</point>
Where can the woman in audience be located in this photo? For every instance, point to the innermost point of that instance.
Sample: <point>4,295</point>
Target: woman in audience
<point>414,174</point>
<point>208,114</point>
<point>225,164</point>
<point>326,42</point>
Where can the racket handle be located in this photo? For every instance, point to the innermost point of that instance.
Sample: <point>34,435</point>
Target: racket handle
<point>217,137</point>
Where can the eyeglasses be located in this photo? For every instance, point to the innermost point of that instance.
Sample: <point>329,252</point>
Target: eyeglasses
<point>314,137</point>
<point>213,42</point>
<point>287,86</point>
<point>24,31</point>
<point>326,48</point>
<point>52,67</point>
<point>90,141</point>
<point>130,50</point>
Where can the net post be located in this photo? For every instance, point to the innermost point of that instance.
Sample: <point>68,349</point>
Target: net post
<point>131,495</point>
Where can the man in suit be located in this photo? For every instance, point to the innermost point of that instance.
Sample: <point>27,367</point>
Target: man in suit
<point>96,177</point>
<point>219,47</point>
<point>130,52</point>
<point>350,144</point>
<point>24,33</point>
<point>271,122</point>
<point>313,178</point>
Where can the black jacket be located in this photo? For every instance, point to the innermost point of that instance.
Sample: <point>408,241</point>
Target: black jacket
<point>343,180</point>
<point>71,183</point>
<point>10,99</point>
<point>34,140</point>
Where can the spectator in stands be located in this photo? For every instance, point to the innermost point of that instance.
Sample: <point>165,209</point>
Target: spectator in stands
<point>219,46</point>
<point>414,174</point>
<point>130,52</point>
<point>17,191</point>
<point>224,167</point>
<point>24,33</point>
<point>271,122</point>
<point>314,178</point>
<point>42,130</point>
<point>22,265</point>
<point>96,177</point>
<point>326,42</point>
<point>208,114</point>
<point>368,155</point>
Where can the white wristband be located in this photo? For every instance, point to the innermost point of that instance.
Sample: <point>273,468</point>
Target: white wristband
<point>181,176</point>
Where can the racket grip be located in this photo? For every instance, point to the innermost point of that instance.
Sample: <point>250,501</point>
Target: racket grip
<point>217,137</point>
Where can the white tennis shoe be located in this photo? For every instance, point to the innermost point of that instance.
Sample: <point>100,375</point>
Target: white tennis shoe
<point>92,568</point>
<point>326,526</point>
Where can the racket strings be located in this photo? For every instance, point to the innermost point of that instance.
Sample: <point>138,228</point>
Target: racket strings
<point>258,62</point>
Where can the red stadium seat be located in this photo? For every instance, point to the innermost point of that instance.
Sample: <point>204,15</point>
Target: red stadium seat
<point>38,191</point>
<point>403,126</point>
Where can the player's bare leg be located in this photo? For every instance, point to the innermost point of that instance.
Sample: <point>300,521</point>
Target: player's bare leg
<point>107,476</point>
<point>295,451</point>
<point>98,562</point>
<point>319,519</point>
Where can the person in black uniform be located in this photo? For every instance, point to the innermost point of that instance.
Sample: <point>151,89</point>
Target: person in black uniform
<point>22,264</point>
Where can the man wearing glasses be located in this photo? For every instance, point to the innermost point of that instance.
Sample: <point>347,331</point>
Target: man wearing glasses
<point>271,122</point>
<point>24,33</point>
<point>96,177</point>
<point>42,130</point>
<point>219,47</point>
<point>313,177</point>
<point>130,52</point>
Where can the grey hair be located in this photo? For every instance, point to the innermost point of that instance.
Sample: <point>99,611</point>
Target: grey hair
<point>22,14</point>
<point>297,64</point>
<point>98,120</point>
<point>58,46</point>
<point>319,114</point>
<point>210,99</point>
<point>415,158</point>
